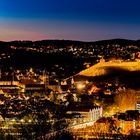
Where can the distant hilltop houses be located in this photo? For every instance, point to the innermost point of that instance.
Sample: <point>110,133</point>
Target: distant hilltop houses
<point>133,57</point>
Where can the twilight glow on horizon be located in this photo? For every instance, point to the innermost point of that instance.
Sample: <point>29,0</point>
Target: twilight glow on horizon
<point>85,20</point>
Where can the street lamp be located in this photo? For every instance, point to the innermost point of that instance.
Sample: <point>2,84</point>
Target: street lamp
<point>29,121</point>
<point>80,86</point>
<point>22,121</point>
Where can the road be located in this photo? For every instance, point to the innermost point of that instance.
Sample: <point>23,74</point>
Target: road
<point>70,128</point>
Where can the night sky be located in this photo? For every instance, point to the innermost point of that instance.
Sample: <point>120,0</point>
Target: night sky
<point>85,20</point>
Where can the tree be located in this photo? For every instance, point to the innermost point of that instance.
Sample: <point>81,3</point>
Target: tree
<point>37,126</point>
<point>70,98</point>
<point>123,100</point>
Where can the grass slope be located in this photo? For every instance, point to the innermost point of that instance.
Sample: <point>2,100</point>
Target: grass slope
<point>102,68</point>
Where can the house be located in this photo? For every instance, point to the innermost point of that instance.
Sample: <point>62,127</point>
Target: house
<point>32,88</point>
<point>10,86</point>
<point>85,114</point>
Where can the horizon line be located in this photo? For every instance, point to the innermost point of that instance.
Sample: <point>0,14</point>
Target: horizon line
<point>68,40</point>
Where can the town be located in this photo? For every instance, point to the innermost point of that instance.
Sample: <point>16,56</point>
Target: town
<point>82,90</point>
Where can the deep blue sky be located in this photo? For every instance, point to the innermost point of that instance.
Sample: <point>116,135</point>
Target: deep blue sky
<point>86,20</point>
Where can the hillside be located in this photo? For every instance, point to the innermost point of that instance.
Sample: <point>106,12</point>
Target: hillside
<point>104,67</point>
<point>122,73</point>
